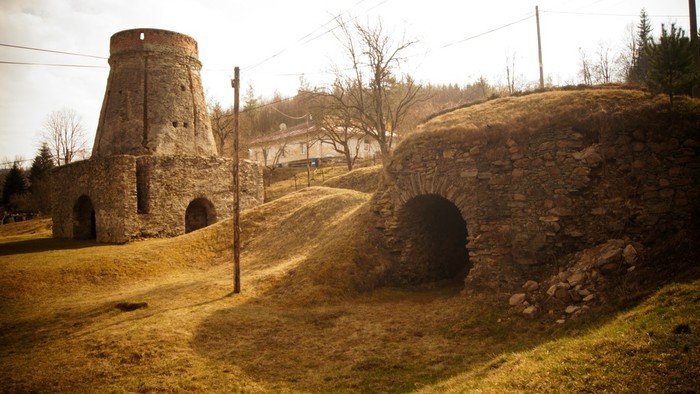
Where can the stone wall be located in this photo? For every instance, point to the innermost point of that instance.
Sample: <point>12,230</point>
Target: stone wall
<point>109,183</point>
<point>528,200</point>
<point>148,196</point>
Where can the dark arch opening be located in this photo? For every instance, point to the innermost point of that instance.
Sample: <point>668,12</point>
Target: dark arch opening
<point>434,236</point>
<point>200,213</point>
<point>84,224</point>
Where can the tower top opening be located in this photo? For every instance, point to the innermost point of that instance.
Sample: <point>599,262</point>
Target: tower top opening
<point>153,40</point>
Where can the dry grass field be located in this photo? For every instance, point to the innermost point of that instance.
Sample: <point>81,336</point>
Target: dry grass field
<point>309,318</point>
<point>313,316</point>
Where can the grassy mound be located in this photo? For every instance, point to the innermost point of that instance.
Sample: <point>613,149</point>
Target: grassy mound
<point>654,348</point>
<point>321,229</point>
<point>365,179</point>
<point>322,237</point>
<point>595,113</point>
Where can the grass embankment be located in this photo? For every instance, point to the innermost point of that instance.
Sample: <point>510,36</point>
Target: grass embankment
<point>287,180</point>
<point>299,326</point>
<point>310,317</point>
<point>654,348</point>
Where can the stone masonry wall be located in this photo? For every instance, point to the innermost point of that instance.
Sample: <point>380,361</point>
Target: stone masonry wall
<point>109,183</point>
<point>147,196</point>
<point>528,201</point>
<point>173,182</point>
<point>154,102</point>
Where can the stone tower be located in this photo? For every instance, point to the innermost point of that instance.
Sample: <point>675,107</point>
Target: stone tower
<point>154,170</point>
<point>154,102</point>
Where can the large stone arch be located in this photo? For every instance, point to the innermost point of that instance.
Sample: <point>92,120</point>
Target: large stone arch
<point>200,213</point>
<point>84,222</point>
<point>433,235</point>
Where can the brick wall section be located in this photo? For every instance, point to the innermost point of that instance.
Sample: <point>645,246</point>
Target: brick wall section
<point>529,201</point>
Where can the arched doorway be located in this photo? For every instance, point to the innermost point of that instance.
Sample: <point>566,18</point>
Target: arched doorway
<point>84,224</point>
<point>200,213</point>
<point>434,237</point>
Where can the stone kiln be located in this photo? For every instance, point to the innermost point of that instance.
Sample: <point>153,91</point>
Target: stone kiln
<point>496,209</point>
<point>154,170</point>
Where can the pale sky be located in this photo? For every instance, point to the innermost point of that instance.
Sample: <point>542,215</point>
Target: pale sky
<point>276,41</point>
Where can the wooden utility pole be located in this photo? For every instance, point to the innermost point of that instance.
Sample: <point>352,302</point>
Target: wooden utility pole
<point>539,46</point>
<point>236,187</point>
<point>308,164</point>
<point>694,41</point>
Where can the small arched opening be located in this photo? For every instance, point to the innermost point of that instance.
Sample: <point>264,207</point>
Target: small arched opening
<point>200,213</point>
<point>84,224</point>
<point>434,236</point>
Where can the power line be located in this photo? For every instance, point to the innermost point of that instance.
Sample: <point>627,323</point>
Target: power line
<point>51,51</point>
<point>323,26</point>
<point>50,64</point>
<point>488,32</point>
<point>611,14</point>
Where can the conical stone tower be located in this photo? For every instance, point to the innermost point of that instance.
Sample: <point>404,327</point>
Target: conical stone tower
<point>154,102</point>
<point>154,171</point>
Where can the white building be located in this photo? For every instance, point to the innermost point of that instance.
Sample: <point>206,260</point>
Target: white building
<point>288,147</point>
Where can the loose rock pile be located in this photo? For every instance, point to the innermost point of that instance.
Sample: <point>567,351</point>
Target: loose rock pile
<point>586,279</point>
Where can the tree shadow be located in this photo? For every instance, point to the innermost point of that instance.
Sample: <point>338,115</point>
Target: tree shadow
<point>392,340</point>
<point>42,245</point>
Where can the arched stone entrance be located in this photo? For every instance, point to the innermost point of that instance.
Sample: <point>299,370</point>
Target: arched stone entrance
<point>84,224</point>
<point>434,237</point>
<point>200,213</point>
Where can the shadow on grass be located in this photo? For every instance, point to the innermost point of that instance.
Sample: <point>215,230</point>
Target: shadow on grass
<point>393,340</point>
<point>42,245</point>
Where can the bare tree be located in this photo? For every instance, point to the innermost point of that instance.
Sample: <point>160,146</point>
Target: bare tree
<point>510,74</point>
<point>65,135</point>
<point>221,125</point>
<point>585,70</point>
<point>603,66</point>
<point>270,161</point>
<point>375,98</point>
<point>627,58</point>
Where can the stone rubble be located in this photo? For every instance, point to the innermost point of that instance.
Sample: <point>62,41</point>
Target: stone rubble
<point>582,283</point>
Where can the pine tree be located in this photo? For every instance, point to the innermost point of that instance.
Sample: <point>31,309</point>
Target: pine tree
<point>39,177</point>
<point>16,185</point>
<point>640,64</point>
<point>41,165</point>
<point>672,67</point>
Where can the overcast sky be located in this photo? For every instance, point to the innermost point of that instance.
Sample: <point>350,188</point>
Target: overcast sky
<point>276,41</point>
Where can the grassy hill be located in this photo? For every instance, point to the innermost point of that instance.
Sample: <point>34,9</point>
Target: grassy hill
<point>313,316</point>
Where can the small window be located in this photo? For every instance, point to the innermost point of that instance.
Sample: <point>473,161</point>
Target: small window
<point>303,147</point>
<point>185,125</point>
<point>142,36</point>
<point>182,87</point>
<point>175,123</point>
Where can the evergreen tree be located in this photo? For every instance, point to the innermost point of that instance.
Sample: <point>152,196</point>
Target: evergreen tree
<point>41,165</point>
<point>39,177</point>
<point>672,67</point>
<point>16,185</point>
<point>640,64</point>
